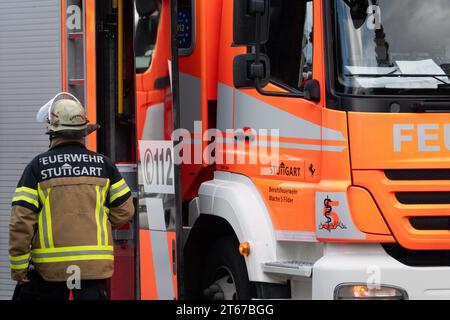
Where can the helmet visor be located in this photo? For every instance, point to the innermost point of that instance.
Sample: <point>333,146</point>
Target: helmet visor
<point>45,112</point>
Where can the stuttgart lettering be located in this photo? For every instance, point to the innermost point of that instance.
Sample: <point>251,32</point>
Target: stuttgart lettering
<point>68,171</point>
<point>284,170</point>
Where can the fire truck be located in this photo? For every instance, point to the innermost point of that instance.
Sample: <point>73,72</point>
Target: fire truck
<point>344,104</point>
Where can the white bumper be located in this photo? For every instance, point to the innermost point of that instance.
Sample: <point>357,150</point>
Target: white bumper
<point>369,264</point>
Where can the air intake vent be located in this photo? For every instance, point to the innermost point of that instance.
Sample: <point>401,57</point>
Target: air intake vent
<point>434,174</point>
<point>430,223</point>
<point>423,197</point>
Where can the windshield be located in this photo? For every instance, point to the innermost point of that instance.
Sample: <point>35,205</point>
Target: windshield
<point>393,46</point>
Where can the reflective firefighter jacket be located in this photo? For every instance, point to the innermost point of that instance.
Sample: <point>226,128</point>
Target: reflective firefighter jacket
<point>62,212</point>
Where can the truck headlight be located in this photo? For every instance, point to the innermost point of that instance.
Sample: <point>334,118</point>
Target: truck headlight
<point>368,292</point>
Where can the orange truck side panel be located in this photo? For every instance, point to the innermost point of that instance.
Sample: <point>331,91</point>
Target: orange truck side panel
<point>148,281</point>
<point>292,210</point>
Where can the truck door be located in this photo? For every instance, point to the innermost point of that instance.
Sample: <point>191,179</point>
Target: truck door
<point>295,51</point>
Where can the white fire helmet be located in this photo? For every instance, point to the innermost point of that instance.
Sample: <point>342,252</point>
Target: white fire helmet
<point>64,113</point>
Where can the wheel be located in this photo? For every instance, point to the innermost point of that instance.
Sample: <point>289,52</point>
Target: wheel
<point>225,274</point>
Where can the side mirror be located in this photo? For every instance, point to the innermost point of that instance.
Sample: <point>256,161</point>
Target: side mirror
<point>251,28</point>
<point>312,90</point>
<point>146,7</point>
<point>244,24</point>
<point>246,70</point>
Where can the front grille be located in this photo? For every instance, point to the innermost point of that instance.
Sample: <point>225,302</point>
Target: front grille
<point>423,197</point>
<point>414,203</point>
<point>419,175</point>
<point>430,223</point>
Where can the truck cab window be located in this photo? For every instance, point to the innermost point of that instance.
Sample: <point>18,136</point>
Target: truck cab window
<point>290,45</point>
<point>146,29</point>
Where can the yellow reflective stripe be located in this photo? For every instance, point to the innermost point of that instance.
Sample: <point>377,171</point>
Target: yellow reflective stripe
<point>28,190</point>
<point>71,249</point>
<point>119,194</point>
<point>97,215</point>
<point>48,216</point>
<point>26,194</point>
<point>26,199</point>
<point>117,190</point>
<point>22,257</point>
<point>19,266</point>
<point>45,220</point>
<point>41,229</point>
<point>118,184</point>
<point>41,193</point>
<point>19,262</point>
<point>75,258</point>
<point>105,215</point>
<point>105,228</point>
<point>73,255</point>
<point>40,222</point>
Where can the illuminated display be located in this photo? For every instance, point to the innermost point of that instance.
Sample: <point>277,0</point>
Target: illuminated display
<point>184,28</point>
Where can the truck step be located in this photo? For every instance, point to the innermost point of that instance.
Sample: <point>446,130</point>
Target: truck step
<point>292,268</point>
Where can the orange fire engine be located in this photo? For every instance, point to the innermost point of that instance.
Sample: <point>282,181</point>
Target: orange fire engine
<point>348,99</point>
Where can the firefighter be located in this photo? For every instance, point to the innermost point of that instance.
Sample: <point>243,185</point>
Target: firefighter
<point>65,204</point>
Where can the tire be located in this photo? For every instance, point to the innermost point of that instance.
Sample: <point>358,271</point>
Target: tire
<point>224,268</point>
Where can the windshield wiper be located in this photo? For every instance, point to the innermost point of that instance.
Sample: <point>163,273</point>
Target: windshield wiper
<point>401,75</point>
<point>423,106</point>
<point>430,106</point>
